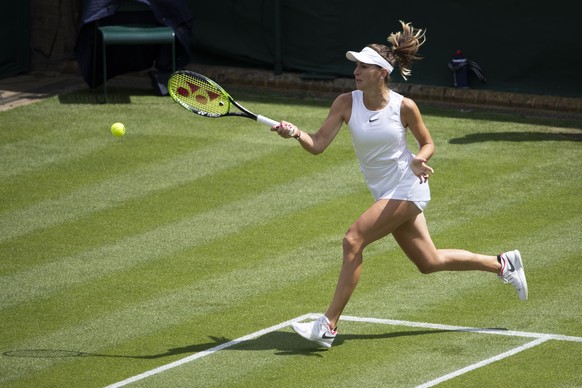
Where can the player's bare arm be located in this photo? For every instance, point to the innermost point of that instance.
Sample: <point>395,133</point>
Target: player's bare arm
<point>411,118</point>
<point>316,143</point>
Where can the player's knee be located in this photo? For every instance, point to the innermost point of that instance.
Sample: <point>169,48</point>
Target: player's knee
<point>352,242</point>
<point>426,268</point>
<point>353,245</point>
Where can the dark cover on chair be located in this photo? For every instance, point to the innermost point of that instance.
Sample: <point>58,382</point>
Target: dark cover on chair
<point>122,58</point>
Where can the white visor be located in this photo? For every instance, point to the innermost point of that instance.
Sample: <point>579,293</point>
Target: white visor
<point>370,56</point>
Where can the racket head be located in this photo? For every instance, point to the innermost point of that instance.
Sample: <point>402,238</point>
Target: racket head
<point>199,94</point>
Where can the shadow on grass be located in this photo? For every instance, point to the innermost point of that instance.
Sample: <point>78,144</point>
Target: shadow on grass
<point>516,137</point>
<point>282,343</point>
<point>96,96</point>
<point>67,353</point>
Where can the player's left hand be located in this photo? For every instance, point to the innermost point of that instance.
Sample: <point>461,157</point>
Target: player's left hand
<point>421,169</point>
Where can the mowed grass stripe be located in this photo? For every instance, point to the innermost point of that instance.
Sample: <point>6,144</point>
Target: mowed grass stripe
<point>171,200</point>
<point>43,122</point>
<point>148,280</point>
<point>31,155</point>
<point>167,309</point>
<point>112,157</point>
<point>167,239</point>
<point>151,210</point>
<point>133,184</point>
<point>195,288</point>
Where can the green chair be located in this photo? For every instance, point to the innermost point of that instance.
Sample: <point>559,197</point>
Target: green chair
<point>134,35</point>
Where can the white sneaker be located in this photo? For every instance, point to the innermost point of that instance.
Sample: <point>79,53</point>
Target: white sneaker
<point>512,272</point>
<point>319,331</point>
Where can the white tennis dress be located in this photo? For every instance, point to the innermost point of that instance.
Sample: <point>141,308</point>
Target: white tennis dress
<point>379,139</point>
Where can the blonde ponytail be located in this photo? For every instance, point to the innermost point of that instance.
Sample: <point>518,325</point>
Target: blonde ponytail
<point>405,45</point>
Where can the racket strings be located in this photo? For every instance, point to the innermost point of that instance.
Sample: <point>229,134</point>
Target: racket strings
<point>199,95</point>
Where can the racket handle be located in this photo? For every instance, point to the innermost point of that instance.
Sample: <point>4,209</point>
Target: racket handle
<point>267,121</point>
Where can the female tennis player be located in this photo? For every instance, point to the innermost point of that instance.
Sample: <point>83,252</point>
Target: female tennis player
<point>377,118</point>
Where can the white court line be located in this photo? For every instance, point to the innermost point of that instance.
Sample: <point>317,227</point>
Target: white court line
<point>205,353</point>
<point>483,363</point>
<point>438,326</point>
<point>540,338</point>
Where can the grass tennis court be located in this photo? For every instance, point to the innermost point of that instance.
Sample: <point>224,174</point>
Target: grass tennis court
<point>201,239</point>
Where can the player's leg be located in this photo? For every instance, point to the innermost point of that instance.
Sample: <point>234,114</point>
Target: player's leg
<point>414,239</point>
<point>381,219</point>
<point>376,222</point>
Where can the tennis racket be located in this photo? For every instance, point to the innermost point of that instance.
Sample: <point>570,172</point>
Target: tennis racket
<point>203,96</point>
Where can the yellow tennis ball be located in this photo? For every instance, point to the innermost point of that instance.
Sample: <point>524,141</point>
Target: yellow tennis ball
<point>118,129</point>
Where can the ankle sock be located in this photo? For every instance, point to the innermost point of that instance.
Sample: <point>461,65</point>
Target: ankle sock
<point>503,264</point>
